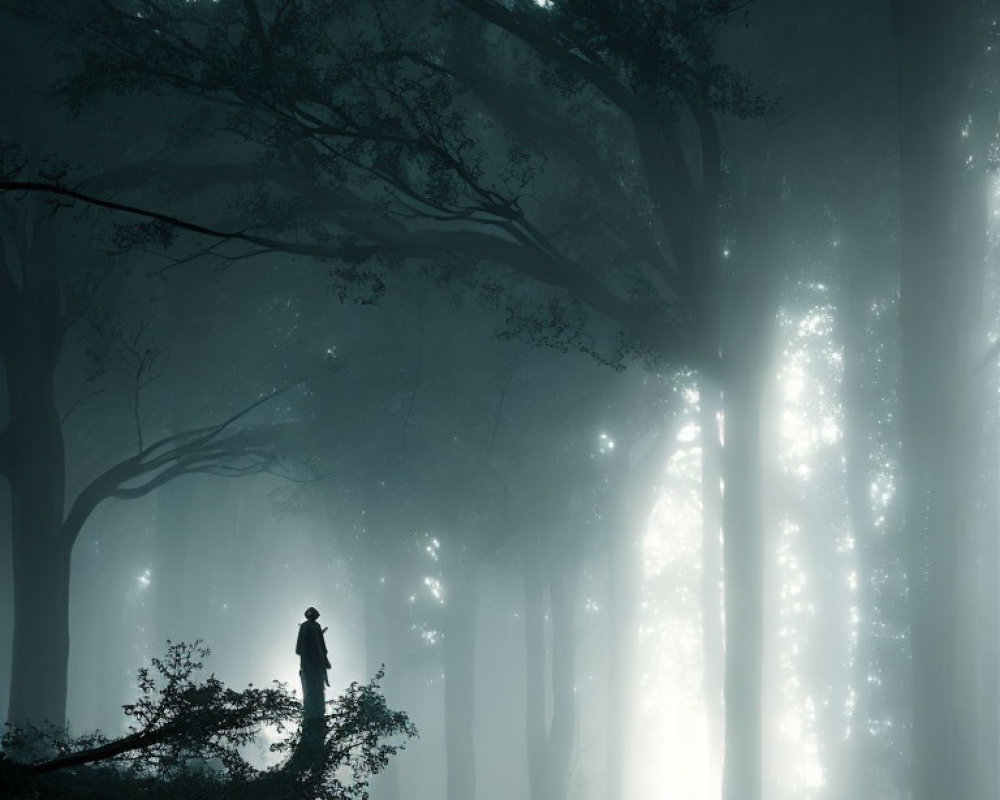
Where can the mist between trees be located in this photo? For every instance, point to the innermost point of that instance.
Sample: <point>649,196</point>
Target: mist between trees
<point>621,375</point>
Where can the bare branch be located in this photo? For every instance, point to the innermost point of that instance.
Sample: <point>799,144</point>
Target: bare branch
<point>206,252</point>
<point>77,403</point>
<point>523,256</point>
<point>201,437</point>
<point>527,252</point>
<point>63,191</point>
<point>206,464</point>
<point>531,117</point>
<point>253,15</point>
<point>197,450</point>
<point>315,478</point>
<point>522,27</point>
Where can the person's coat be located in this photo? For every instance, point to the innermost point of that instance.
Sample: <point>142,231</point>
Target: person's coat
<point>311,647</point>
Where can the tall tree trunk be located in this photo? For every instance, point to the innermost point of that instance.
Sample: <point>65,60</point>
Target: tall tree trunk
<point>623,584</point>
<point>30,342</point>
<point>535,715</point>
<point>978,564</point>
<point>551,712</point>
<point>745,356</point>
<point>6,594</point>
<point>562,729</point>
<point>855,776</point>
<point>711,563</point>
<point>987,624</point>
<point>41,632</point>
<point>743,566</point>
<point>459,687</point>
<point>938,282</point>
<point>381,648</point>
<point>175,561</point>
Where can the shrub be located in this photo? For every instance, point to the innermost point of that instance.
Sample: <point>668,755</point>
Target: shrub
<point>186,736</point>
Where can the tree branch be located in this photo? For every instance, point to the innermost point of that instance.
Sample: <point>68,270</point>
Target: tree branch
<point>204,464</point>
<point>196,450</point>
<point>519,25</point>
<point>525,256</point>
<point>62,191</point>
<point>207,434</point>
<point>77,403</point>
<point>530,117</point>
<point>135,741</point>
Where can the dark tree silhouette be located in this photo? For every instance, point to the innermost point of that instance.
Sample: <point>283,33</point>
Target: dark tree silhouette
<point>944,140</point>
<point>182,725</point>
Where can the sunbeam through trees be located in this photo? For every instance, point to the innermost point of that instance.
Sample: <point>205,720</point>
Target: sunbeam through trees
<point>618,378</point>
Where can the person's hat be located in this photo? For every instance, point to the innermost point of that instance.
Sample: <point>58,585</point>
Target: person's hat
<point>311,613</point>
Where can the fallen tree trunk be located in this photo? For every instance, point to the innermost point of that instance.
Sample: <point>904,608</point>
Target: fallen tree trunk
<point>136,741</point>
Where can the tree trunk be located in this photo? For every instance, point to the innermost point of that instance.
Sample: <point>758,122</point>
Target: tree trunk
<point>977,564</point>
<point>41,633</point>
<point>855,776</point>
<point>459,687</point>
<point>381,648</point>
<point>938,283</point>
<point>624,574</point>
<point>535,697</point>
<point>748,299</point>
<point>987,623</point>
<point>711,564</point>
<point>551,712</point>
<point>30,345</point>
<point>562,730</point>
<point>174,562</point>
<point>6,594</point>
<point>743,567</point>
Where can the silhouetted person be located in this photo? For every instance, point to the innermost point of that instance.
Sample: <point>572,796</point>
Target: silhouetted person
<point>313,664</point>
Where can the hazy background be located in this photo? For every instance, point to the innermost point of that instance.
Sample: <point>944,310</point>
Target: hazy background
<point>631,422</point>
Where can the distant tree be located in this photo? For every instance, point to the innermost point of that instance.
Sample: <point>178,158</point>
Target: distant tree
<point>566,485</point>
<point>550,513</point>
<point>947,140</point>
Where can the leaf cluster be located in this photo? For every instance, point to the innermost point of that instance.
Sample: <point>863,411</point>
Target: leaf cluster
<point>666,51</point>
<point>187,735</point>
<point>580,151</point>
<point>335,88</point>
<point>204,720</point>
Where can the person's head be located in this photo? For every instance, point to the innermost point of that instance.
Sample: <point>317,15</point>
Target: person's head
<point>311,613</point>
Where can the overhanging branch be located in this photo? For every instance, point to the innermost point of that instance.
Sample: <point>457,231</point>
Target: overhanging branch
<point>207,464</point>
<point>525,257</point>
<point>519,25</point>
<point>175,222</point>
<point>198,450</point>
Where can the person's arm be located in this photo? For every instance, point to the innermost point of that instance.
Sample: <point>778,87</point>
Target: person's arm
<point>322,646</point>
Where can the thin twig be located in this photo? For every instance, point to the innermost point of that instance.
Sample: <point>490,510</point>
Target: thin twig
<point>79,402</point>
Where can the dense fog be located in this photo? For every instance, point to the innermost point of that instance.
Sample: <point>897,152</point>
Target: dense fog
<point>619,382</point>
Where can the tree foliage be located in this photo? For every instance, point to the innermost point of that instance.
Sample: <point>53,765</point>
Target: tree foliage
<point>574,145</point>
<point>188,736</point>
